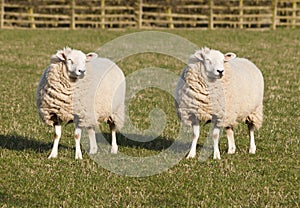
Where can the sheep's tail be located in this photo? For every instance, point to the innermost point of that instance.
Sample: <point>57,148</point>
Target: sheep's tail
<point>256,118</point>
<point>118,117</point>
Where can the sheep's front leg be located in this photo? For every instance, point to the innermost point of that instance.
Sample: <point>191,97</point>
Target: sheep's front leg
<point>231,143</point>
<point>216,135</point>
<point>93,142</point>
<point>77,136</point>
<point>57,136</point>
<point>252,148</point>
<point>196,132</point>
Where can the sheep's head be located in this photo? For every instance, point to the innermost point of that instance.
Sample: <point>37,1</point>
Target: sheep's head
<point>75,61</point>
<point>213,61</point>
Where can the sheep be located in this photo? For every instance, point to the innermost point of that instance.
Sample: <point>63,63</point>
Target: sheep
<point>221,89</point>
<point>58,93</point>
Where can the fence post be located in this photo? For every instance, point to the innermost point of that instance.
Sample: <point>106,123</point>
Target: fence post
<point>31,15</point>
<point>2,14</point>
<point>169,12</point>
<point>139,14</point>
<point>211,15</point>
<point>102,14</point>
<point>294,16</point>
<point>274,19</point>
<point>72,18</point>
<point>241,19</point>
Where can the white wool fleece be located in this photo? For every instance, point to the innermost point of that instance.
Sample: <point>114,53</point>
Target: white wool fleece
<point>101,94</point>
<point>229,99</point>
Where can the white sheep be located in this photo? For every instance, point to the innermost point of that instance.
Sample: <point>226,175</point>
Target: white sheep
<point>222,89</point>
<point>59,91</point>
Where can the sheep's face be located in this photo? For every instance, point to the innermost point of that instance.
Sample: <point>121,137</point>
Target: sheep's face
<point>213,62</point>
<point>76,64</point>
<point>75,61</point>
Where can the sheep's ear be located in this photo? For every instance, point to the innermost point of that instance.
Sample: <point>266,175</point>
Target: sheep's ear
<point>201,54</point>
<point>62,54</point>
<point>91,56</point>
<point>229,56</point>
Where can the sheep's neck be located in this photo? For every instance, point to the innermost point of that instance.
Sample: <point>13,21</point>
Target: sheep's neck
<point>65,76</point>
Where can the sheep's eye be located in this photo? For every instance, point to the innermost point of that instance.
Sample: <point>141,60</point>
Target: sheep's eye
<point>208,61</point>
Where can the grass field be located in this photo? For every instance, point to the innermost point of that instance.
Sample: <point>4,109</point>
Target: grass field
<point>270,178</point>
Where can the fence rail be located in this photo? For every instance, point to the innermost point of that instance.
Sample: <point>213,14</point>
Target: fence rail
<point>149,14</point>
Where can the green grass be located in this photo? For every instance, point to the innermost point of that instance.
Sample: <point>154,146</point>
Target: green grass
<point>269,178</point>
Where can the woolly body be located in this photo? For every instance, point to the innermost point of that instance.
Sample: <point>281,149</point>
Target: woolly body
<point>100,95</point>
<point>54,94</point>
<point>238,95</point>
<point>244,89</point>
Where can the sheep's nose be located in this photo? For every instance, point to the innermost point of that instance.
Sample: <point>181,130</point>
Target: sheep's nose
<point>220,71</point>
<point>82,71</point>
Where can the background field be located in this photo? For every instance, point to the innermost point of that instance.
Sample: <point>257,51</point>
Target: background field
<point>268,179</point>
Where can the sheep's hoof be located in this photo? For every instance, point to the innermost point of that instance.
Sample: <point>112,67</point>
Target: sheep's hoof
<point>114,150</point>
<point>78,155</point>
<point>191,155</point>
<point>52,155</point>
<point>231,150</point>
<point>93,150</point>
<point>252,150</point>
<point>78,158</point>
<point>217,155</point>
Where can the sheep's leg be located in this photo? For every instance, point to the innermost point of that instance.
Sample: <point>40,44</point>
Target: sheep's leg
<point>196,132</point>
<point>114,145</point>
<point>77,136</point>
<point>252,148</point>
<point>57,136</point>
<point>93,142</point>
<point>216,135</point>
<point>231,143</point>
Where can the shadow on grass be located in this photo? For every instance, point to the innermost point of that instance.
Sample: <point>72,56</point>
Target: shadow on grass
<point>13,201</point>
<point>157,144</point>
<point>19,143</point>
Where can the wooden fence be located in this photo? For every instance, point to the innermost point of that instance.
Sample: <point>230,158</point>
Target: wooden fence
<point>150,14</point>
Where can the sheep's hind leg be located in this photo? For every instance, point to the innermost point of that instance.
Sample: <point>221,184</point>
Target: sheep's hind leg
<point>77,136</point>
<point>196,132</point>
<point>93,142</point>
<point>252,148</point>
<point>57,136</point>
<point>216,136</point>
<point>114,145</point>
<point>231,143</point>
